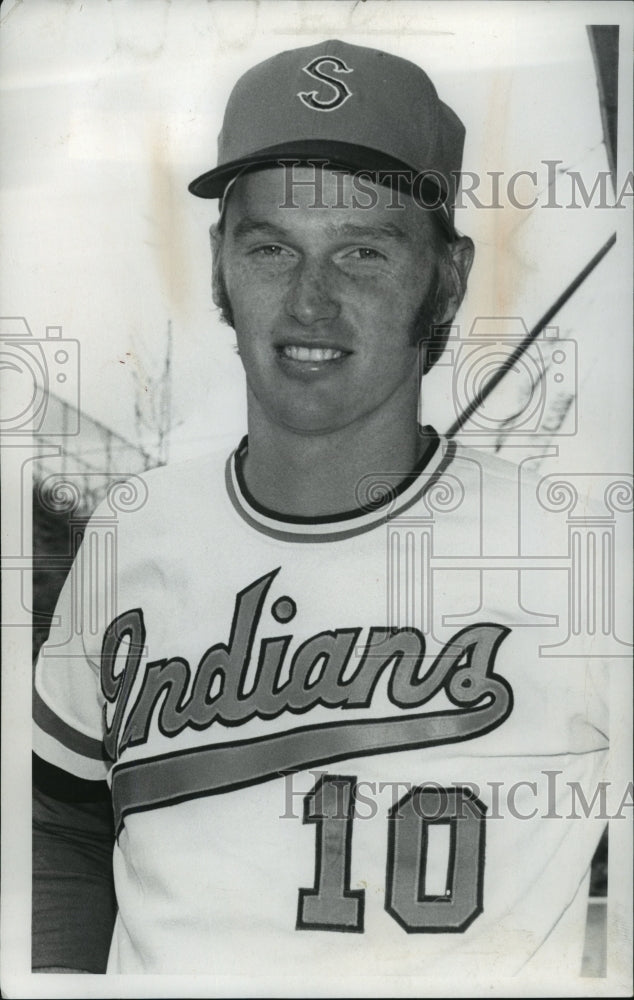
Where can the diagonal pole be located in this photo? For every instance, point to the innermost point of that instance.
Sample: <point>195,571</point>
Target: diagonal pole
<point>495,380</point>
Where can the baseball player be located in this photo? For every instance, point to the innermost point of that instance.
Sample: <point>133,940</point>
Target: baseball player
<point>315,740</point>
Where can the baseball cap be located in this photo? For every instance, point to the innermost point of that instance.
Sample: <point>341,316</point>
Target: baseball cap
<point>359,108</point>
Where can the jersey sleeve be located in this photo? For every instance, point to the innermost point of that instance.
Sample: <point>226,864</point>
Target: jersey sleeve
<point>74,904</point>
<point>69,761</point>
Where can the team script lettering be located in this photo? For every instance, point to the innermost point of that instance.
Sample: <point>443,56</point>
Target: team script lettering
<point>463,669</point>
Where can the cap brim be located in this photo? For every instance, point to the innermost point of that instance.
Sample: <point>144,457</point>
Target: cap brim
<point>339,155</point>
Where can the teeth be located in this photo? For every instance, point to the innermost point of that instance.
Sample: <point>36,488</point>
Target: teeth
<point>310,353</point>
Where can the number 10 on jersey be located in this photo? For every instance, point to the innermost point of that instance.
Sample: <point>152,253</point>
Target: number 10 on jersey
<point>332,905</point>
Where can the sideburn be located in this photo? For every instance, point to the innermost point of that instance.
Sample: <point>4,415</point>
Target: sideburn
<point>221,297</point>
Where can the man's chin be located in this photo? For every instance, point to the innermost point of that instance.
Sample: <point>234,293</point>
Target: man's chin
<point>310,423</point>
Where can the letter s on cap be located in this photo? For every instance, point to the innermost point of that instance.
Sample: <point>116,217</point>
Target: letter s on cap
<point>342,93</point>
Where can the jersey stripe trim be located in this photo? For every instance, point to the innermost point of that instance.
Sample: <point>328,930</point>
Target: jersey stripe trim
<point>70,738</point>
<point>325,530</point>
<point>49,749</point>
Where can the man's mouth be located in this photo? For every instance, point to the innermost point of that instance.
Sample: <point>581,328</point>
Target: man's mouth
<point>297,352</point>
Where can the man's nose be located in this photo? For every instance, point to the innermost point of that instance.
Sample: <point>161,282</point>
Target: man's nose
<point>311,296</point>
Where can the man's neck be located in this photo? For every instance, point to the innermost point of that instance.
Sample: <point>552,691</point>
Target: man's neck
<point>314,475</point>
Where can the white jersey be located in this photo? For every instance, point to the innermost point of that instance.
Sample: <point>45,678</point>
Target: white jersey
<point>353,746</point>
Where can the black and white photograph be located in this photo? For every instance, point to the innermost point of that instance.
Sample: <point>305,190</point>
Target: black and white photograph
<point>316,442</point>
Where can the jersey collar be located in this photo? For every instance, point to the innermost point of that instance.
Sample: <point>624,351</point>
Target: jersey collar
<point>379,499</point>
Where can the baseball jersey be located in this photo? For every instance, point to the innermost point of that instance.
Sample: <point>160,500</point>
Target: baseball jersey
<point>354,746</point>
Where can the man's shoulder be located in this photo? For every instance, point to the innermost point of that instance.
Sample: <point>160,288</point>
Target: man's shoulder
<point>538,508</point>
<point>480,495</point>
<point>493,468</point>
<point>179,491</point>
<point>202,473</point>
<point>496,479</point>
<point>550,490</point>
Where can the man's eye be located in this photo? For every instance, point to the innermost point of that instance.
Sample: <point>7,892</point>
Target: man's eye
<point>269,250</point>
<point>366,253</point>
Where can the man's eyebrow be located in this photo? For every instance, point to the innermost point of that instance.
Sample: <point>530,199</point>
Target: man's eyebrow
<point>248,226</point>
<point>382,230</point>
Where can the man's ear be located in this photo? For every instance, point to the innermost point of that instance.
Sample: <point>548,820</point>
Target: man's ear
<point>453,271</point>
<point>458,265</point>
<point>215,237</point>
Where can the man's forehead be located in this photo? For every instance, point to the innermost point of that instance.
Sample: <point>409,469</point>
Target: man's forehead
<point>337,200</point>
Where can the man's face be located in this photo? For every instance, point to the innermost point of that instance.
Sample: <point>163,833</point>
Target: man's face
<point>326,302</point>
